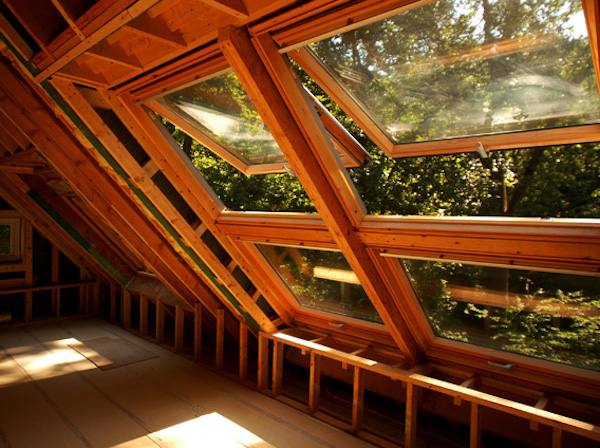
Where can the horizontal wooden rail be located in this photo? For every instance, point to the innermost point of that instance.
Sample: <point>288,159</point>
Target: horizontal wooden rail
<point>46,287</point>
<point>417,380</point>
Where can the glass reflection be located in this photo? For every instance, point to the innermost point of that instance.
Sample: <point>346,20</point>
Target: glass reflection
<point>458,68</point>
<point>321,280</point>
<point>545,315</point>
<point>221,108</point>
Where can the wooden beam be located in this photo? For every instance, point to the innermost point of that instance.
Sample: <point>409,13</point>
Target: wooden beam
<point>156,30</point>
<point>277,376</point>
<point>243,356</point>
<point>126,309</point>
<point>475,427</point>
<point>336,275</point>
<point>314,384</point>
<point>54,273</point>
<point>143,315</point>
<point>111,26</point>
<point>179,327</point>
<point>280,99</point>
<point>28,262</point>
<point>263,362</point>
<point>358,399</point>
<point>198,331</point>
<point>235,8</point>
<point>113,303</point>
<point>220,342</point>
<point>65,14</point>
<point>410,421</point>
<point>160,322</point>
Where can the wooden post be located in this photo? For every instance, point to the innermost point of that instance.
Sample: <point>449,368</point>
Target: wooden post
<point>277,368</point>
<point>96,298</point>
<point>263,362</point>
<point>556,437</point>
<point>198,331</point>
<point>475,440</point>
<point>113,303</point>
<point>358,399</point>
<point>143,315</point>
<point>126,308</point>
<point>243,352</point>
<point>314,386</point>
<point>84,296</point>
<point>220,338</point>
<point>28,261</point>
<point>179,324</point>
<point>410,428</point>
<point>54,279</point>
<point>160,322</point>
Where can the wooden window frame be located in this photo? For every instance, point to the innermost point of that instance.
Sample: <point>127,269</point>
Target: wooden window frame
<point>12,262</point>
<point>293,38</point>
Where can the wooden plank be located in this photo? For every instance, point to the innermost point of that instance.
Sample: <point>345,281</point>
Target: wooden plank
<point>336,275</point>
<point>243,356</point>
<point>156,31</point>
<point>220,342</point>
<point>278,96</point>
<point>143,315</point>
<point>84,296</point>
<point>540,404</point>
<point>475,427</point>
<point>314,385</point>
<point>410,423</point>
<point>277,377</point>
<point>15,38</point>
<point>179,327</point>
<point>236,8</point>
<point>358,399</point>
<point>55,287</point>
<point>160,322</point>
<point>263,362</point>
<point>65,15</point>
<point>556,437</point>
<point>198,331</point>
<point>112,25</point>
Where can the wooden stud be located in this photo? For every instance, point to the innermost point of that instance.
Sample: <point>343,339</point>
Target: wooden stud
<point>126,309</point>
<point>84,296</point>
<point>96,298</point>
<point>243,359</point>
<point>113,303</point>
<point>198,331</point>
<point>179,328</point>
<point>277,377</point>
<point>28,262</point>
<point>314,385</point>
<point>65,14</point>
<point>54,263</point>
<point>220,338</point>
<point>143,315</point>
<point>160,322</point>
<point>358,399</point>
<point>410,422</point>
<point>263,362</point>
<point>556,437</point>
<point>469,382</point>
<point>475,432</point>
<point>541,404</point>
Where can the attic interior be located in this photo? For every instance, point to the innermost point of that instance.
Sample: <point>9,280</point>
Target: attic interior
<point>363,208</point>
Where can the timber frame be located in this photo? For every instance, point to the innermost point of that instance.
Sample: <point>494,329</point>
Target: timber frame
<point>86,160</point>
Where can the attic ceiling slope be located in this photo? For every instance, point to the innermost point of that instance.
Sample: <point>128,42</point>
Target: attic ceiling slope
<point>98,190</point>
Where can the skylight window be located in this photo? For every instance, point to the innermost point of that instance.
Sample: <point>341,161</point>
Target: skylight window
<point>541,314</point>
<point>452,69</point>
<point>321,280</point>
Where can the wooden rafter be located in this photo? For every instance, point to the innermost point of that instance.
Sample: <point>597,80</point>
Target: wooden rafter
<point>282,103</point>
<point>155,30</point>
<point>65,15</point>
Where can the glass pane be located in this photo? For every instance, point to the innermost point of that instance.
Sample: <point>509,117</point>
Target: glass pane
<point>546,315</point>
<point>5,239</point>
<point>221,108</point>
<point>555,181</point>
<point>455,68</point>
<point>321,280</point>
<point>241,192</point>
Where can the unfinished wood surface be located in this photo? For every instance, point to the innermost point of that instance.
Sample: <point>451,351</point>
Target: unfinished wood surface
<point>278,96</point>
<point>179,328</point>
<point>113,303</point>
<point>277,376</point>
<point>314,383</point>
<point>126,308</point>
<point>243,354</point>
<point>475,427</point>
<point>27,257</point>
<point>160,322</point>
<point>263,362</point>
<point>55,297</point>
<point>220,339</point>
<point>410,420</point>
<point>198,331</point>
<point>143,315</point>
<point>358,399</point>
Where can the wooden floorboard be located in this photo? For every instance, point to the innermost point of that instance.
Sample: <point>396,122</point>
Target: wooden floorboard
<point>52,396</point>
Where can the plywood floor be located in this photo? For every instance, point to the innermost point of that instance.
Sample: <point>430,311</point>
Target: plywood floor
<point>52,396</point>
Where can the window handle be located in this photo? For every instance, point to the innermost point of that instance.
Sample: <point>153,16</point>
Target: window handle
<point>500,365</point>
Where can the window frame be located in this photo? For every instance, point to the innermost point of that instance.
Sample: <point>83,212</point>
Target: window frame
<point>12,261</point>
<point>294,37</point>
